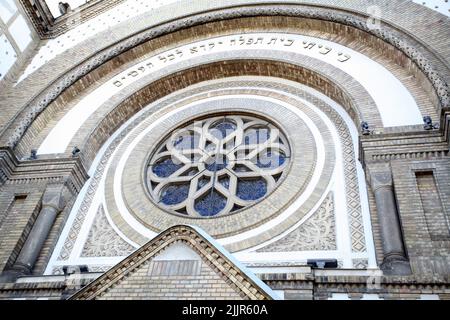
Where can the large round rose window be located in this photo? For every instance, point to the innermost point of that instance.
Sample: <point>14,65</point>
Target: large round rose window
<point>217,165</point>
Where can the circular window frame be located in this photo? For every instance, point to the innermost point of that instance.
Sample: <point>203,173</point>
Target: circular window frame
<point>134,212</point>
<point>213,114</point>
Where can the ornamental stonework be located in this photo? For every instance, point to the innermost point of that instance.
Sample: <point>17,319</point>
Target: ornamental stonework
<point>218,165</point>
<point>316,233</point>
<point>103,240</point>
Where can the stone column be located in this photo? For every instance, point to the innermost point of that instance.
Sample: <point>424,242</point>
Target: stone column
<point>52,204</point>
<point>395,261</point>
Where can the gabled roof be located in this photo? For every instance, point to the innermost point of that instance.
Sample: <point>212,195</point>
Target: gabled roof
<point>241,279</point>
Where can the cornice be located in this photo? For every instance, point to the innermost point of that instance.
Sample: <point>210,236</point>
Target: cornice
<point>59,170</point>
<point>8,163</point>
<point>403,145</point>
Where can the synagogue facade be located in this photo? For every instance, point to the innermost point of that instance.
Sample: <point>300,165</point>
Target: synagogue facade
<point>232,149</point>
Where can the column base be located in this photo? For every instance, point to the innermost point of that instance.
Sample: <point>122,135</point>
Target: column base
<point>396,265</point>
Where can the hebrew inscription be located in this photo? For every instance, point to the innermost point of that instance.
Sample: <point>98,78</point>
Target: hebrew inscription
<point>295,43</point>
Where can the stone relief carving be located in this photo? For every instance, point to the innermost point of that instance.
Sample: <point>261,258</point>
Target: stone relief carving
<point>103,241</point>
<point>316,233</point>
<point>380,176</point>
<point>386,33</point>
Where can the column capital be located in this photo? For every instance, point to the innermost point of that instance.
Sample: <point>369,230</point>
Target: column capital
<point>55,196</point>
<point>380,176</point>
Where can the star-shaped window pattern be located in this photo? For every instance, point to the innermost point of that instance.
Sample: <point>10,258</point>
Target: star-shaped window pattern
<point>218,165</point>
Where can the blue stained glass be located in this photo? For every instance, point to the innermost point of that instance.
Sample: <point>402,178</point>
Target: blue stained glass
<point>251,189</point>
<point>216,163</point>
<point>225,181</point>
<point>165,168</point>
<point>255,136</point>
<point>175,194</point>
<point>223,128</point>
<point>209,146</point>
<point>221,197</point>
<point>241,168</point>
<point>186,141</point>
<point>211,204</point>
<point>202,182</point>
<point>270,160</point>
<point>191,172</point>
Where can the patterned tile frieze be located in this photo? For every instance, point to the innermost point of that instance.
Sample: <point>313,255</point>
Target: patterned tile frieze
<point>360,263</point>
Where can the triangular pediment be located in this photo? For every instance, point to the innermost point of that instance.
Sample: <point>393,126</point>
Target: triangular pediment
<point>182,262</point>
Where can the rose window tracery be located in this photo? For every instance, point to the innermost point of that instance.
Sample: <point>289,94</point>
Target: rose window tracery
<point>217,165</point>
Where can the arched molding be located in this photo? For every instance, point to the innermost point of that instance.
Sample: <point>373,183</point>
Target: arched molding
<point>24,119</point>
<point>121,109</point>
<point>108,161</point>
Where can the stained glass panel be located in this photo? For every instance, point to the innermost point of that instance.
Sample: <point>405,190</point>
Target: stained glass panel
<point>218,165</point>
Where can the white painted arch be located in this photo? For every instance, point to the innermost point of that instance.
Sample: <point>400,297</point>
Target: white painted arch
<point>344,252</point>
